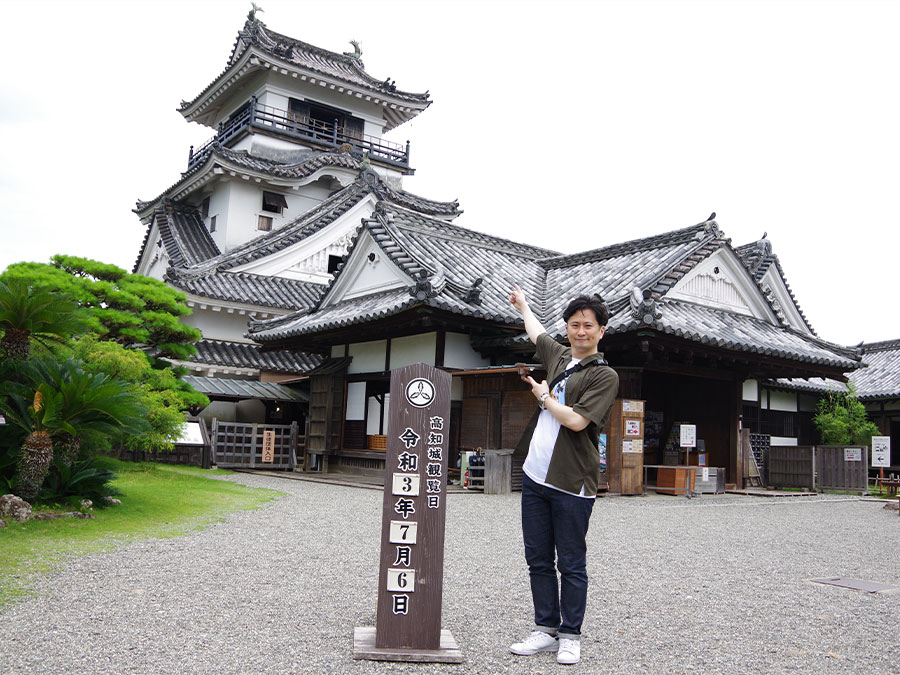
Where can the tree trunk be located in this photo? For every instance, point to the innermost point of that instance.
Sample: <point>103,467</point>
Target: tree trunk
<point>15,344</point>
<point>37,454</point>
<point>66,448</point>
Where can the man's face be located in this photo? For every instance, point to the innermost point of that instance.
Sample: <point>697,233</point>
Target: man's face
<point>584,332</point>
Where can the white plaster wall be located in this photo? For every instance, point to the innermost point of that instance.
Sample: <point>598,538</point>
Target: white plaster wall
<point>218,325</point>
<point>456,389</point>
<point>782,441</point>
<point>283,86</point>
<point>218,207</point>
<point>413,349</point>
<point>373,416</point>
<point>368,357</point>
<point>751,390</point>
<point>157,259</point>
<point>458,352</point>
<point>783,400</point>
<point>356,401</point>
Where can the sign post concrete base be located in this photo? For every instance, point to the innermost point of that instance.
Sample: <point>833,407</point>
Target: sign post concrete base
<point>364,648</point>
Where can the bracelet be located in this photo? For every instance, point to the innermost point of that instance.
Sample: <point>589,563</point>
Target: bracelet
<point>542,399</point>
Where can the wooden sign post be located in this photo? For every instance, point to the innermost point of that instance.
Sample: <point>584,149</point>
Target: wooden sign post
<point>411,575</point>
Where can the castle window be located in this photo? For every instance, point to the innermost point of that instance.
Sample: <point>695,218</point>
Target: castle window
<point>264,223</point>
<point>204,208</point>
<point>333,262</point>
<point>273,202</point>
<point>212,224</point>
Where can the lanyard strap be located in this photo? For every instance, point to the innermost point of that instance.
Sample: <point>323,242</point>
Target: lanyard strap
<point>574,369</point>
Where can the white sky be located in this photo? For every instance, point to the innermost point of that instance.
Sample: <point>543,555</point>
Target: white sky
<point>569,125</point>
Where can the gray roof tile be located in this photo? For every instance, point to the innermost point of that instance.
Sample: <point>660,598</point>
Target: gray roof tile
<point>453,258</point>
<point>243,355</point>
<point>881,379</point>
<point>244,389</point>
<point>315,60</point>
<point>251,289</point>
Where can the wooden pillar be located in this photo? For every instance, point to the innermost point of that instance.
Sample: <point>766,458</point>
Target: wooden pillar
<point>735,470</point>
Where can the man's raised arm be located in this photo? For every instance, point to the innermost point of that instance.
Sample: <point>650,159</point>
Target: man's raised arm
<point>532,326</point>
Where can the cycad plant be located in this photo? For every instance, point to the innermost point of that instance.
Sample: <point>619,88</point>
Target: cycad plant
<point>31,313</point>
<point>38,416</point>
<point>56,404</point>
<point>92,403</point>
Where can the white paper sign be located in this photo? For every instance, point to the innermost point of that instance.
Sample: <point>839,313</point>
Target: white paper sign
<point>852,454</point>
<point>632,427</point>
<point>881,450</point>
<point>688,435</point>
<point>636,445</point>
<point>632,406</point>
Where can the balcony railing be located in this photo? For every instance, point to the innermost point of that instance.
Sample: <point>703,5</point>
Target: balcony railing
<point>326,135</point>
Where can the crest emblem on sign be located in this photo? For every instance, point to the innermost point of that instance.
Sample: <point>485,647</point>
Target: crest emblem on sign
<point>420,392</point>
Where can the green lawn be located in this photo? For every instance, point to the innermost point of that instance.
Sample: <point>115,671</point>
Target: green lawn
<point>158,501</point>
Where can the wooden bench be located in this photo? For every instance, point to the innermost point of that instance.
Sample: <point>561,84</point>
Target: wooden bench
<point>892,485</point>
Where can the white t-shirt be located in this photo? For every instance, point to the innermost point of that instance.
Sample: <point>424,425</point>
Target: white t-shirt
<point>537,463</point>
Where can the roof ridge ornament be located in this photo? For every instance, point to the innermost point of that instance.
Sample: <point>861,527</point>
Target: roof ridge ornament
<point>473,294</point>
<point>252,15</point>
<point>644,307</point>
<point>356,54</point>
<point>423,288</point>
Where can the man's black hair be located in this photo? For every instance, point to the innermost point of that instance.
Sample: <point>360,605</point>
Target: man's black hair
<point>593,302</point>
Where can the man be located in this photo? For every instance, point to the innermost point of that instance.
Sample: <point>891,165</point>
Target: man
<point>561,471</point>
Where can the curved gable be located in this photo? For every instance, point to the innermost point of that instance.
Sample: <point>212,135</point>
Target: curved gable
<point>723,282</point>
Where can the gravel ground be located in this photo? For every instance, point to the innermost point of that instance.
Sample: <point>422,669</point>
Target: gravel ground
<point>711,585</point>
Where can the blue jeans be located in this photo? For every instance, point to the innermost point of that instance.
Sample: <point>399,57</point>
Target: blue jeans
<point>554,526</point>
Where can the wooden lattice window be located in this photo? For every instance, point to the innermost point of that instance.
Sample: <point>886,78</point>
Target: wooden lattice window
<point>272,202</point>
<point>264,223</point>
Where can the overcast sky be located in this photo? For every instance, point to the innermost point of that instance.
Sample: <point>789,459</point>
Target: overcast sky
<point>568,125</point>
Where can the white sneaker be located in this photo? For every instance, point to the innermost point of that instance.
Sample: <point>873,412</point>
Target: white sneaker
<point>569,651</point>
<point>538,641</point>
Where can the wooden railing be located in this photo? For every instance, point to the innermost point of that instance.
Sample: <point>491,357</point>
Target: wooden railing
<point>330,135</point>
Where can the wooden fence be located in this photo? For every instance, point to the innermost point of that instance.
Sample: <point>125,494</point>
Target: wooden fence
<point>842,468</point>
<point>792,467</point>
<point>820,467</point>
<point>242,445</point>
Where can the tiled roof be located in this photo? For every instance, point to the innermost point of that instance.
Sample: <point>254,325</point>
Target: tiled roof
<point>184,235</point>
<point>882,377</point>
<point>814,385</point>
<point>758,257</point>
<point>244,389</point>
<point>243,355</point>
<point>452,259</point>
<point>739,333</point>
<point>316,61</point>
<point>308,223</point>
<point>298,165</point>
<point>653,263</point>
<point>251,289</point>
<point>182,232</point>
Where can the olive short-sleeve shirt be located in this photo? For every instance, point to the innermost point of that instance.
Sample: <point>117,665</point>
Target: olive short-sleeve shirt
<point>590,392</point>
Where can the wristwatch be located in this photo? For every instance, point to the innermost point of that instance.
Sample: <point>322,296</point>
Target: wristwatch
<point>542,399</point>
